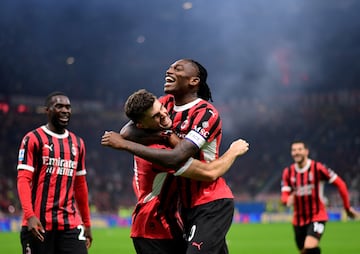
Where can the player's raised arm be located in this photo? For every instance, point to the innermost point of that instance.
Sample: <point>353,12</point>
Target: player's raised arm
<point>203,171</point>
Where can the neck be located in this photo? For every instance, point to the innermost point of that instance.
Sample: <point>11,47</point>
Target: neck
<point>302,163</point>
<point>53,129</point>
<point>184,99</point>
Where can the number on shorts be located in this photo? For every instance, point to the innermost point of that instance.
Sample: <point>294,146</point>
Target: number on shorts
<point>318,227</point>
<point>192,233</point>
<point>81,235</point>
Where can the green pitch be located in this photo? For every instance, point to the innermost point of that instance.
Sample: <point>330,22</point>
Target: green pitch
<point>340,237</point>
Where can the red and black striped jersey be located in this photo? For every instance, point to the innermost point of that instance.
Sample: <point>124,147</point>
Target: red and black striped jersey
<point>53,161</point>
<point>200,123</point>
<point>307,185</point>
<point>156,213</point>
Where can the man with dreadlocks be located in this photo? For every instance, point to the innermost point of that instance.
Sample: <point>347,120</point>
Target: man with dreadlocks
<point>206,207</point>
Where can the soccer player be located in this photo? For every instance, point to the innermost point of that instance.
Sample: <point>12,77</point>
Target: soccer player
<point>52,185</point>
<point>206,207</point>
<point>156,226</point>
<point>302,186</point>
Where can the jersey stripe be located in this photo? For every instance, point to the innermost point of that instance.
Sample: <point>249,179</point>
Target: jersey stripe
<point>56,159</point>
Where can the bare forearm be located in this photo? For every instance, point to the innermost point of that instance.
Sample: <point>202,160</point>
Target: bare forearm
<point>168,158</point>
<point>203,171</point>
<point>211,171</point>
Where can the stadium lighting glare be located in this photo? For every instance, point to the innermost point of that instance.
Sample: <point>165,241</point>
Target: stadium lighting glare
<point>70,60</point>
<point>187,5</point>
<point>140,39</point>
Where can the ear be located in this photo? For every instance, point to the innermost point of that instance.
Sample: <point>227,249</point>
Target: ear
<point>194,81</point>
<point>139,125</point>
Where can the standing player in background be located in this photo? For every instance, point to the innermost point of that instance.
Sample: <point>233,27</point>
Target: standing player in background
<point>156,224</point>
<point>207,208</point>
<point>302,186</point>
<point>52,185</point>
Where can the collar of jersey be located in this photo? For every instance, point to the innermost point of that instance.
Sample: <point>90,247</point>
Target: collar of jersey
<point>187,106</point>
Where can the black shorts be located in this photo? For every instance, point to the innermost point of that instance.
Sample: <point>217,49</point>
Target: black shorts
<point>315,229</point>
<point>159,246</point>
<point>70,241</point>
<point>207,225</point>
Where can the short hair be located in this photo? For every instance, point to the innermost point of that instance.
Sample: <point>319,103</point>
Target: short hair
<point>51,95</point>
<point>299,141</point>
<point>138,103</point>
<point>204,89</point>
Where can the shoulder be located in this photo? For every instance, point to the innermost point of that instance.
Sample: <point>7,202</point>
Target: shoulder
<point>166,98</point>
<point>206,107</point>
<point>319,165</point>
<point>76,137</point>
<point>34,134</point>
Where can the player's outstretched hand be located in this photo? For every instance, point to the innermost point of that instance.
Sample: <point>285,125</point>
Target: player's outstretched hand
<point>239,146</point>
<point>352,213</point>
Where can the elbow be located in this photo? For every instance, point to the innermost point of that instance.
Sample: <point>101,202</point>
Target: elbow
<point>208,177</point>
<point>176,161</point>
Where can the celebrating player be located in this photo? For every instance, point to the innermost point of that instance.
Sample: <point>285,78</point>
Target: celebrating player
<point>302,187</point>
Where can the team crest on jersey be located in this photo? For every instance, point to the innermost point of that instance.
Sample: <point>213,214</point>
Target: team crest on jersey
<point>310,176</point>
<point>73,150</point>
<point>205,124</point>
<point>185,124</point>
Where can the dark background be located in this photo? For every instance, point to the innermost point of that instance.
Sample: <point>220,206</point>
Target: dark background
<point>250,48</point>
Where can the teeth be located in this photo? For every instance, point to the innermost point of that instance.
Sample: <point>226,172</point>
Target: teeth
<point>169,79</point>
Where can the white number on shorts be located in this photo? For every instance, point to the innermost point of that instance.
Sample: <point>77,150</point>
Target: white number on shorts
<point>192,232</point>
<point>318,227</point>
<point>81,235</point>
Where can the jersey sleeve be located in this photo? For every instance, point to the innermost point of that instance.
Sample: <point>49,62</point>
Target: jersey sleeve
<point>28,148</point>
<point>24,180</point>
<point>326,173</point>
<point>25,173</point>
<point>81,170</point>
<point>285,186</point>
<point>205,125</point>
<point>82,199</point>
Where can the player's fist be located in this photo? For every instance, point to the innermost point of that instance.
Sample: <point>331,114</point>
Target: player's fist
<point>239,147</point>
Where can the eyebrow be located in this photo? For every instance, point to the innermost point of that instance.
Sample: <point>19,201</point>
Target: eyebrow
<point>158,113</point>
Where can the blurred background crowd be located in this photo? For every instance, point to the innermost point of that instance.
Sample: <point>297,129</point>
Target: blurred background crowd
<point>327,121</point>
<point>278,71</point>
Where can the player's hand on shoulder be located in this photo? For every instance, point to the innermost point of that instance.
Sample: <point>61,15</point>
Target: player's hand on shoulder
<point>239,146</point>
<point>112,139</point>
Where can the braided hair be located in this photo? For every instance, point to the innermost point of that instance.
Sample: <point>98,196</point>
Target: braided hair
<point>204,90</point>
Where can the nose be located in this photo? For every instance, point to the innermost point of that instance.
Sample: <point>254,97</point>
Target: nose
<point>163,113</point>
<point>65,109</point>
<point>169,70</point>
